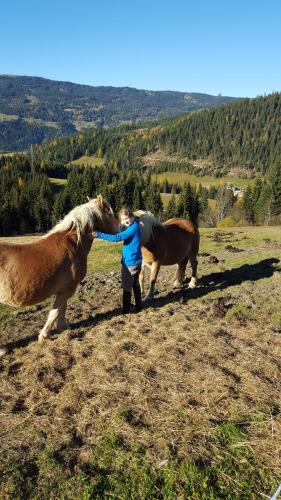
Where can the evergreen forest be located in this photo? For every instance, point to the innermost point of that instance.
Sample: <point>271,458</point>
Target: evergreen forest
<point>245,134</point>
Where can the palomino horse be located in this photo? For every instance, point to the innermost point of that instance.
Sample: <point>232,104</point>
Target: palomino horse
<point>54,264</point>
<point>174,242</point>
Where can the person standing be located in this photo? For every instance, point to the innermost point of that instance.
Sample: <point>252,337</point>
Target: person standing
<point>131,257</point>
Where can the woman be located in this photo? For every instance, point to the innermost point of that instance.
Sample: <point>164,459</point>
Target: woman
<point>131,257</point>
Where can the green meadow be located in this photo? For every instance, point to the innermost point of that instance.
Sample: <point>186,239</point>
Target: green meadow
<point>206,180</point>
<point>87,161</point>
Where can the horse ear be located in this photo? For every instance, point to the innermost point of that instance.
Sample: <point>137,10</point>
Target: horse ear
<point>100,200</point>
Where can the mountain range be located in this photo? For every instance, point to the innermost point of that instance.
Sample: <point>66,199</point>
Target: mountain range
<point>34,110</point>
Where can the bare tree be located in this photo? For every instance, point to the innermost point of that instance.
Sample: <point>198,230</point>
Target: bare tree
<point>225,199</point>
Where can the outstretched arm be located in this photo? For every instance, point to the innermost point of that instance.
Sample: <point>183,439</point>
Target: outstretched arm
<point>115,238</point>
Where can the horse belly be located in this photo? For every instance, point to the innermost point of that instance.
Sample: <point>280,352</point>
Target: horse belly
<point>175,251</point>
<point>25,286</point>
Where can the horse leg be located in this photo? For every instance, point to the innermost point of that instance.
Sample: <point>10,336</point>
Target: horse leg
<point>61,323</point>
<point>155,267</point>
<point>141,278</point>
<point>56,314</point>
<point>194,264</point>
<point>180,273</point>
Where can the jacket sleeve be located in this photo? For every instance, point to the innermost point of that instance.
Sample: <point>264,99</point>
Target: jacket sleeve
<point>115,238</point>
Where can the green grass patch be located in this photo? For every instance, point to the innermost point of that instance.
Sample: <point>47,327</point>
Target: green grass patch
<point>165,197</point>
<point>104,256</point>
<point>87,161</point>
<point>119,471</point>
<point>57,184</point>
<point>206,180</point>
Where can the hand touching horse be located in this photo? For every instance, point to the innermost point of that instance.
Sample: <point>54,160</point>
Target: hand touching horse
<point>174,242</point>
<point>54,264</point>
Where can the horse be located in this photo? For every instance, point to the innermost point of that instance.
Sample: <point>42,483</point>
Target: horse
<point>55,263</point>
<point>174,242</point>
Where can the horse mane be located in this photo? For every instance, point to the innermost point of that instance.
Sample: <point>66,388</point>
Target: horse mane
<point>79,218</point>
<point>148,224</point>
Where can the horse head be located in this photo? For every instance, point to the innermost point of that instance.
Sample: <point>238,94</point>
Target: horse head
<point>103,217</point>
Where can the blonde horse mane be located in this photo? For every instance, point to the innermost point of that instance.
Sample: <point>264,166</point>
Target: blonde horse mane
<point>79,218</point>
<point>148,224</point>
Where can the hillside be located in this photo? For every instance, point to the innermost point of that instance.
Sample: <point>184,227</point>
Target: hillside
<point>33,109</point>
<point>245,134</point>
<point>179,401</point>
<point>242,137</point>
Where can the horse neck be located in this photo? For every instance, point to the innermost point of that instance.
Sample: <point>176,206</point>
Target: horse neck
<point>83,244</point>
<point>86,242</point>
<point>151,234</point>
<point>108,226</point>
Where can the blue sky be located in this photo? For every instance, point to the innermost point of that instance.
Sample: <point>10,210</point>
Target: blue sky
<point>227,47</point>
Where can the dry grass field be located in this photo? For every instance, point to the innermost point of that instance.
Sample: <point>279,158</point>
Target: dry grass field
<point>179,401</point>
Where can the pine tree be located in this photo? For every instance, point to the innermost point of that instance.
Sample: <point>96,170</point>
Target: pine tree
<point>275,179</point>
<point>61,206</point>
<point>138,201</point>
<point>189,204</point>
<point>263,208</point>
<point>248,207</point>
<point>153,201</point>
<point>171,210</point>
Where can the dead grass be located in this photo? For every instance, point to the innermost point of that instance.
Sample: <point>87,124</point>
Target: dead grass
<point>193,379</point>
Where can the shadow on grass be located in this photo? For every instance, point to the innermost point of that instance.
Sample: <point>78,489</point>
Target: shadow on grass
<point>207,284</point>
<point>222,280</point>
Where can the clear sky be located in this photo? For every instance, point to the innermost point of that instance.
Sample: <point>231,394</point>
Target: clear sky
<point>217,46</point>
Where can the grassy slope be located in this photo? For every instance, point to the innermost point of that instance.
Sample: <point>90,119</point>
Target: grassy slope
<point>206,180</point>
<point>89,161</point>
<point>180,401</point>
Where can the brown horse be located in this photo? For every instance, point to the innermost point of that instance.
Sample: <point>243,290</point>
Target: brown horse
<point>54,264</point>
<point>174,242</point>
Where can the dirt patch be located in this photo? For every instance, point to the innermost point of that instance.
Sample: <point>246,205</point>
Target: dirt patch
<point>213,260</point>
<point>233,249</point>
<point>219,236</point>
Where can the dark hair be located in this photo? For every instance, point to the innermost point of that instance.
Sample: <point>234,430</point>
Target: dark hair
<point>125,211</point>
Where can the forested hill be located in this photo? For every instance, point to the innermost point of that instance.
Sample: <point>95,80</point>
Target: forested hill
<point>33,109</point>
<point>244,135</point>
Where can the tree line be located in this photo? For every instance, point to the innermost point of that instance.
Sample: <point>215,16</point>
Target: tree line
<point>262,202</point>
<point>28,202</point>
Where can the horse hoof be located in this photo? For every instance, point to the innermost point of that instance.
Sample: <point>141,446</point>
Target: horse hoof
<point>192,284</point>
<point>3,351</point>
<point>42,338</point>
<point>177,284</point>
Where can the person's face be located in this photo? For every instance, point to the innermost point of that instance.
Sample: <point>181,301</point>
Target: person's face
<point>126,220</point>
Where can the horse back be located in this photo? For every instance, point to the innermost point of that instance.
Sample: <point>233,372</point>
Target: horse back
<point>172,241</point>
<point>190,228</point>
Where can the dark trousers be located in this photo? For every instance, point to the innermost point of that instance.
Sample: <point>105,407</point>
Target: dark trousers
<point>129,282</point>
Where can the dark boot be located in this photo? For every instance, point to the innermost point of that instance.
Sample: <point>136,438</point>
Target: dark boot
<point>137,295</point>
<point>126,302</point>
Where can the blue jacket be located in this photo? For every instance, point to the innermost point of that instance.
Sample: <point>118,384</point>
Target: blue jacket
<point>131,254</point>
